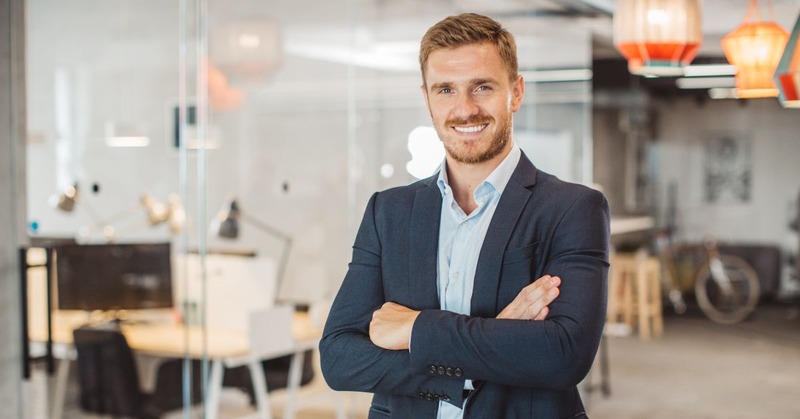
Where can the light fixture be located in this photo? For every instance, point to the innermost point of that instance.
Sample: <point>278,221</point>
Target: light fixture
<point>226,225</point>
<point>122,125</point>
<point>722,93</point>
<point>709,70</point>
<point>755,48</point>
<point>66,199</point>
<point>124,134</point>
<point>704,82</point>
<point>248,49</point>
<point>787,75</point>
<point>70,197</point>
<point>221,95</point>
<point>658,37</point>
<point>158,213</point>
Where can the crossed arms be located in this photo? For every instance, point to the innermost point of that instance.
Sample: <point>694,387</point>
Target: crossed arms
<point>363,342</point>
<point>391,324</point>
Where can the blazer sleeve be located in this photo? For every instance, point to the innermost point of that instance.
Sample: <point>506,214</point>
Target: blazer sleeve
<point>349,360</point>
<point>552,354</point>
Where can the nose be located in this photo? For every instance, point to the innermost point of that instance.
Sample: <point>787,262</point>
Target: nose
<point>466,107</point>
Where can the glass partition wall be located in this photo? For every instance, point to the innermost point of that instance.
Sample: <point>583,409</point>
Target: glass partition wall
<point>249,136</point>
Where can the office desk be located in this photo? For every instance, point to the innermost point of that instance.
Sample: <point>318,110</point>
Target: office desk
<point>224,348</point>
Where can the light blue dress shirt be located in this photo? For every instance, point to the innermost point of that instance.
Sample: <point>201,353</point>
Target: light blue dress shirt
<point>460,239</point>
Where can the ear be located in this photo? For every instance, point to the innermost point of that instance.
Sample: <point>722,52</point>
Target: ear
<point>517,93</point>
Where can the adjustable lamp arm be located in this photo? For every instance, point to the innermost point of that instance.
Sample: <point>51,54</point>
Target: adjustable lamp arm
<point>287,244</point>
<point>265,227</point>
<point>226,225</point>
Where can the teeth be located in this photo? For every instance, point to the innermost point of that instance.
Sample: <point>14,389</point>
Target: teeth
<point>474,128</point>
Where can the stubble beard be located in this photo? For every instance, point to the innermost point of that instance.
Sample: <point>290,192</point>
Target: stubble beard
<point>496,146</point>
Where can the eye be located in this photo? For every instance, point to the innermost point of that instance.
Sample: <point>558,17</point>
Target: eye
<point>445,90</point>
<point>483,88</point>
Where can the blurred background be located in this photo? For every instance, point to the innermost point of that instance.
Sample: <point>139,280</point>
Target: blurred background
<point>247,136</point>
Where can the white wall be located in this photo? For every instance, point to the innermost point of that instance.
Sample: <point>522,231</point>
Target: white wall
<point>304,151</point>
<point>684,125</point>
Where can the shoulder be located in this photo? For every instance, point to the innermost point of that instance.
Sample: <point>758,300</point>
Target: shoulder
<point>400,195</point>
<point>553,189</point>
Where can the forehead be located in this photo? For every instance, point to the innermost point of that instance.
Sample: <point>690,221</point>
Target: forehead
<point>467,61</point>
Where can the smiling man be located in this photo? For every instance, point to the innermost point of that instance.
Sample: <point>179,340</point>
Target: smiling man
<point>479,292</point>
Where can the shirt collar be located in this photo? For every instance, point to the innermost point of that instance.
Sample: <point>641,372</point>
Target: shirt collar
<point>498,178</point>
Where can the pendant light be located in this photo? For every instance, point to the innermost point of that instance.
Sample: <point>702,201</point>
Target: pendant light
<point>658,37</point>
<point>787,75</point>
<point>755,48</point>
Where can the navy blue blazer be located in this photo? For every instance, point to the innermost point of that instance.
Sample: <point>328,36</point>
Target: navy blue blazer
<point>520,368</point>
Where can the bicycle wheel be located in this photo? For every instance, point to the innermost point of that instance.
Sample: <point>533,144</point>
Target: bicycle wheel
<point>723,303</point>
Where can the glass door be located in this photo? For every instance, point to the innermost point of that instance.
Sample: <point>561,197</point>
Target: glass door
<point>246,137</point>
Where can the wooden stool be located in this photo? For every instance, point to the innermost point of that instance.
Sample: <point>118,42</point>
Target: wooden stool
<point>635,293</point>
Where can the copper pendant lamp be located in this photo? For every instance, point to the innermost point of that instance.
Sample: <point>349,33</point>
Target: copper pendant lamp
<point>658,37</point>
<point>754,48</point>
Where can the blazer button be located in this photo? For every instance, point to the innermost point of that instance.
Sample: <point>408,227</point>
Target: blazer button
<point>449,371</point>
<point>446,398</point>
<point>440,370</point>
<point>421,395</point>
<point>432,369</point>
<point>459,372</point>
<point>429,396</point>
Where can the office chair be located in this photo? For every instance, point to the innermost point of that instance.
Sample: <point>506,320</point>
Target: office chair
<point>107,374</point>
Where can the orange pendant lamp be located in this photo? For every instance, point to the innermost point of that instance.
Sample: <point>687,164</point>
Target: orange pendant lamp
<point>755,48</point>
<point>658,37</point>
<point>787,75</point>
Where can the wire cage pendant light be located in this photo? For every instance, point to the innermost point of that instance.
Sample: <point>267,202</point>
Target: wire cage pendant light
<point>755,48</point>
<point>787,75</point>
<point>658,37</point>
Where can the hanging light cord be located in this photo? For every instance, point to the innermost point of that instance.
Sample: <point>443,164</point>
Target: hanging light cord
<point>753,15</point>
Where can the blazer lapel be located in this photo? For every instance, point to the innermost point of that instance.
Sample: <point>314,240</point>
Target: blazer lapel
<point>424,246</point>
<point>490,261</point>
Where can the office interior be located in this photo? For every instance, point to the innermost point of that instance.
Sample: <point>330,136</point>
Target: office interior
<point>227,150</point>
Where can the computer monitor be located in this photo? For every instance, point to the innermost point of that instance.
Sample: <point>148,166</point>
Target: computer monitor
<point>114,276</point>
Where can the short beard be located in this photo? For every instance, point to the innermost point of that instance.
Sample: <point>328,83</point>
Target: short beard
<point>496,147</point>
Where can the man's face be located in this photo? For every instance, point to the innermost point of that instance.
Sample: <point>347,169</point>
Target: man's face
<point>471,101</point>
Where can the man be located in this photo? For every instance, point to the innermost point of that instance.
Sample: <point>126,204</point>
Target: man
<point>439,314</point>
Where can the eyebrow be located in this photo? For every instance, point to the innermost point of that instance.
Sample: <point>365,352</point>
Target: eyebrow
<point>476,82</point>
<point>438,86</point>
<point>473,82</point>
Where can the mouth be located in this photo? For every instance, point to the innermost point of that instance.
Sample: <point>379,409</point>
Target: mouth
<point>470,129</point>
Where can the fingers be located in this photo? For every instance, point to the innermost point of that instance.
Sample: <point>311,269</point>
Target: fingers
<point>532,301</point>
<point>539,308</point>
<point>542,314</point>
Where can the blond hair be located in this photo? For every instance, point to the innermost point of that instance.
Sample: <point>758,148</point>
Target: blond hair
<point>468,29</point>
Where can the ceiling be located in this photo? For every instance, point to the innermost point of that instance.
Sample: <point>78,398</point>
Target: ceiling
<point>547,30</point>
<point>552,36</point>
<point>719,16</point>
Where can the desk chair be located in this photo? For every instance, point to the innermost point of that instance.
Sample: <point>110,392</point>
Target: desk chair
<point>109,381</point>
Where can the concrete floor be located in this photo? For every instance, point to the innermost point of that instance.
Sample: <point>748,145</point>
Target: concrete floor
<point>701,370</point>
<point>697,370</point>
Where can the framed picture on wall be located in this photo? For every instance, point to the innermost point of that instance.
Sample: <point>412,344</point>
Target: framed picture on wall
<point>728,161</point>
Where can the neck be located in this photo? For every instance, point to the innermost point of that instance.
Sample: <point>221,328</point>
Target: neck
<point>464,178</point>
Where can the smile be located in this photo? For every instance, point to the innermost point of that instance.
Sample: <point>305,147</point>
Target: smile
<point>471,129</point>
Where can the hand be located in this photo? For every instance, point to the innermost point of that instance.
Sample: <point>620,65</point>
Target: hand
<point>391,326</point>
<point>532,302</point>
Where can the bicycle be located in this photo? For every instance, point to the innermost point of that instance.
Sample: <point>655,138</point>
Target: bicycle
<point>726,287</point>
